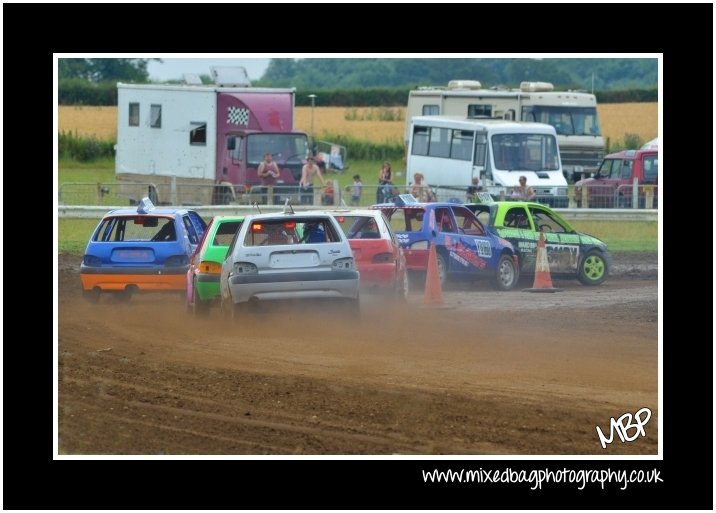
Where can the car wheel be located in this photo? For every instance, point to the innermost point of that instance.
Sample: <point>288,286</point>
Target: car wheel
<point>402,288</point>
<point>506,275</point>
<point>123,296</point>
<point>236,313</point>
<point>442,269</point>
<point>226,309</point>
<point>199,308</point>
<point>352,308</point>
<point>593,268</point>
<point>92,295</point>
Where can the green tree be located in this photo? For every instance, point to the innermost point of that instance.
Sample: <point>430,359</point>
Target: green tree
<point>102,70</point>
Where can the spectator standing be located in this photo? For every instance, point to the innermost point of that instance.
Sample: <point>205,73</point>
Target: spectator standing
<point>308,172</point>
<point>356,190</point>
<point>268,173</point>
<point>523,191</point>
<point>473,189</point>
<point>421,190</point>
<point>385,183</point>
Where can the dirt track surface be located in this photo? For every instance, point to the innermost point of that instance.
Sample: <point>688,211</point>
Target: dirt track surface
<point>490,373</point>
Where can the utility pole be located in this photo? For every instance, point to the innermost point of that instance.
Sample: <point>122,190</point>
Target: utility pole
<point>313,105</point>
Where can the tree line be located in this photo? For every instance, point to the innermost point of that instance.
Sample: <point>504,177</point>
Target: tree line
<point>79,92</point>
<point>383,82</point>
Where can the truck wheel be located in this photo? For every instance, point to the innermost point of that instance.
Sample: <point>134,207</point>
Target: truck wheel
<point>593,269</point>
<point>506,275</point>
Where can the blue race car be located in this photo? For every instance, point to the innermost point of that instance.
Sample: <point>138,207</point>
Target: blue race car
<point>143,249</point>
<point>464,247</point>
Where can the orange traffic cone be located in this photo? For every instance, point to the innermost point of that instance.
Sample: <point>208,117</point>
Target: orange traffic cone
<point>543,278</point>
<point>433,289</point>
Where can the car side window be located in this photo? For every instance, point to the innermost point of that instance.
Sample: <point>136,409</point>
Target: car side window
<point>626,169</point>
<point>467,222</point>
<point>546,222</point>
<point>225,232</point>
<point>190,231</point>
<point>443,220</point>
<point>616,170</point>
<point>651,168</point>
<point>198,223</point>
<point>517,218</point>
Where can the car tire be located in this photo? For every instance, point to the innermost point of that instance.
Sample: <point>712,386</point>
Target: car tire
<point>402,288</point>
<point>124,296</point>
<point>226,309</point>
<point>92,296</point>
<point>236,313</point>
<point>352,308</point>
<point>593,268</point>
<point>442,269</point>
<point>507,274</point>
<point>199,308</point>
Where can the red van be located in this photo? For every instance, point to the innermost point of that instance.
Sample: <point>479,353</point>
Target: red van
<point>613,184</point>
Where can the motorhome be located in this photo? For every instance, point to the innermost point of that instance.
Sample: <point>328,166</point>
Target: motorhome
<point>450,150</point>
<point>573,114</point>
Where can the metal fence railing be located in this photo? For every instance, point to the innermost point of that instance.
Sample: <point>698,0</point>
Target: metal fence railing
<point>192,194</point>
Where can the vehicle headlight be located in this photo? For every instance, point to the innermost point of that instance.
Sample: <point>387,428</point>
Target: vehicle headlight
<point>561,191</point>
<point>245,268</point>
<point>344,264</point>
<point>176,261</point>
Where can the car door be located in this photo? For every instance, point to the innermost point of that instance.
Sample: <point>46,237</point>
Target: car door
<point>516,226</point>
<point>474,244</point>
<point>562,245</point>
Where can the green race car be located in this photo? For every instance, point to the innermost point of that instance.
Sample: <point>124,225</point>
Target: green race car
<point>571,254</point>
<point>202,278</point>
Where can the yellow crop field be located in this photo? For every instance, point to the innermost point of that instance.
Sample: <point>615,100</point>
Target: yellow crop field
<point>100,122</point>
<point>363,122</point>
<point>356,122</point>
<point>618,119</point>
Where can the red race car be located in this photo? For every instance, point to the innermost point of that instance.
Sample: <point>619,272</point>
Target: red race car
<point>376,250</point>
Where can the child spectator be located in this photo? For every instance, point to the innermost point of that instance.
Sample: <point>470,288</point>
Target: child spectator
<point>328,193</point>
<point>356,190</point>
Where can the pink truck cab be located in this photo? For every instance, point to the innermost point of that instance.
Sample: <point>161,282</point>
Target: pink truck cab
<point>248,126</point>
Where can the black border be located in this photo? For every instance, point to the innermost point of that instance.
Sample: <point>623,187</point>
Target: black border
<point>32,480</point>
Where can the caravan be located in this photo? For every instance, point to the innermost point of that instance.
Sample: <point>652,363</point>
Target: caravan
<point>450,150</point>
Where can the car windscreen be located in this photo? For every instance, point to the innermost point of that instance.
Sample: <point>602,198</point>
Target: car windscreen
<point>359,226</point>
<point>295,230</point>
<point>141,228</point>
